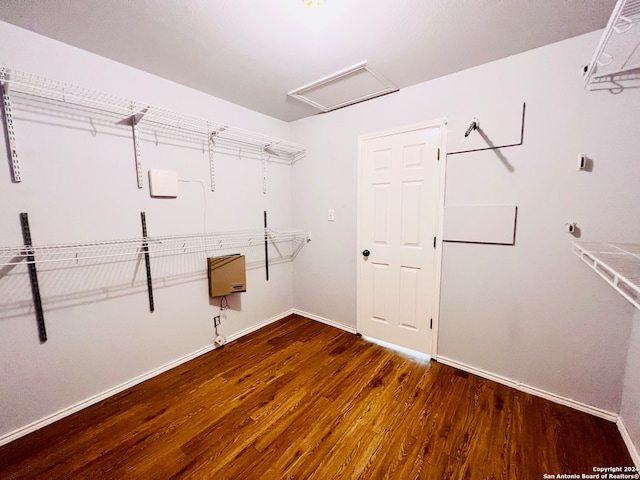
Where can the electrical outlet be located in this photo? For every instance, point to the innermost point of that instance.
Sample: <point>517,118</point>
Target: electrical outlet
<point>331,215</point>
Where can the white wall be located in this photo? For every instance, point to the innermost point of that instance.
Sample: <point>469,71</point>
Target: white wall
<point>531,312</point>
<point>80,185</point>
<point>630,412</point>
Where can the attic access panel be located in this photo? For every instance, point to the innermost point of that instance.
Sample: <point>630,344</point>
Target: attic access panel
<point>353,85</point>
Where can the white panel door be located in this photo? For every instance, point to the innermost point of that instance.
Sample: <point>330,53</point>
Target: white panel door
<point>398,219</point>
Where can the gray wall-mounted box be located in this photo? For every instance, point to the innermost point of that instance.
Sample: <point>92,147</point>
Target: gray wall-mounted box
<point>227,274</point>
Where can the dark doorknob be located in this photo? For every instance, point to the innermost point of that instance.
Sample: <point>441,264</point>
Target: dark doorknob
<point>366,253</point>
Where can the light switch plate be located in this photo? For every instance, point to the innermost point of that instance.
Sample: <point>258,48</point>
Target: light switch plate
<point>331,215</point>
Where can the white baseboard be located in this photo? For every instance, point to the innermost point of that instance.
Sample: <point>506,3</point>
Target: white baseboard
<point>583,407</point>
<point>633,450</point>
<point>326,321</point>
<point>258,326</point>
<point>65,412</point>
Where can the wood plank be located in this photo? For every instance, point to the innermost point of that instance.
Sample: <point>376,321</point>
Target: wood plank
<point>299,399</point>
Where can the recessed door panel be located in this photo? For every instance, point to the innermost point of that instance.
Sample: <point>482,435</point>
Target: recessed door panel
<point>413,155</point>
<point>382,160</point>
<point>409,301</point>
<point>381,284</point>
<point>411,218</point>
<point>381,213</point>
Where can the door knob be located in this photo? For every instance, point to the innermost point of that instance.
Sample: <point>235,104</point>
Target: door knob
<point>366,253</point>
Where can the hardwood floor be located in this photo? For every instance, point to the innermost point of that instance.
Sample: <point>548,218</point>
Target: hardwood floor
<point>302,400</point>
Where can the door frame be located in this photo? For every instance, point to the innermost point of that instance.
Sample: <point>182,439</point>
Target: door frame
<point>442,124</point>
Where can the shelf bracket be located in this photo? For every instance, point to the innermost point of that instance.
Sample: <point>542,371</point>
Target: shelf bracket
<point>147,261</point>
<point>33,277</point>
<point>264,175</point>
<point>212,144</point>
<point>212,165</point>
<point>135,119</point>
<point>268,150</point>
<point>7,114</point>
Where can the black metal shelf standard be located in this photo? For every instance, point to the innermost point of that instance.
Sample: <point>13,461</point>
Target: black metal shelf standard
<point>145,249</point>
<point>33,276</point>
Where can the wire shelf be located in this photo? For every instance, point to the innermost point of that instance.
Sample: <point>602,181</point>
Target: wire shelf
<point>616,62</point>
<point>617,263</point>
<point>287,241</point>
<point>81,273</point>
<point>151,118</point>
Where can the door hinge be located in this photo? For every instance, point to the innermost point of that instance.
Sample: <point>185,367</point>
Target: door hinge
<point>438,154</point>
<point>434,242</point>
<point>431,324</point>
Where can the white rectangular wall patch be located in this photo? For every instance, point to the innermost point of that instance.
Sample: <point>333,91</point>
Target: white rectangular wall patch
<point>495,224</point>
<point>163,183</point>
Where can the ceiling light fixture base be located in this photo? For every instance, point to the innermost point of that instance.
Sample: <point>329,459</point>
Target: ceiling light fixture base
<point>314,3</point>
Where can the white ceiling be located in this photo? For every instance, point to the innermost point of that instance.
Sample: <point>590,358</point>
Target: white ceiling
<point>252,52</point>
